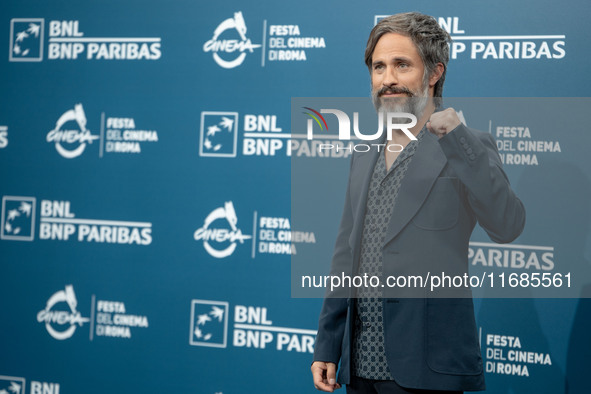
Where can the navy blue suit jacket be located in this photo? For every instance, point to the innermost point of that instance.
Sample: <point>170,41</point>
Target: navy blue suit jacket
<point>451,183</point>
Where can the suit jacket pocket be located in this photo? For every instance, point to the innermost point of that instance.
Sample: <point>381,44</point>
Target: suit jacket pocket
<point>451,337</point>
<point>441,208</point>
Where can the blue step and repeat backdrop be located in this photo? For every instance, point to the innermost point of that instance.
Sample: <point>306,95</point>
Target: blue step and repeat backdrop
<point>145,155</point>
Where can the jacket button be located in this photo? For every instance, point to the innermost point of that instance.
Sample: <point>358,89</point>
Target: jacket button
<point>463,140</point>
<point>472,156</point>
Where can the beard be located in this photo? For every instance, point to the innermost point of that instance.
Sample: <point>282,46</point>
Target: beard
<point>415,103</point>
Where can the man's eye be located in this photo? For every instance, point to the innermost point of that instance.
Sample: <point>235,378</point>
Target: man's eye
<point>378,67</point>
<point>402,65</point>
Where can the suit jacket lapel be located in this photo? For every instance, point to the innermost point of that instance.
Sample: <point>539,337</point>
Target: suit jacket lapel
<point>425,167</point>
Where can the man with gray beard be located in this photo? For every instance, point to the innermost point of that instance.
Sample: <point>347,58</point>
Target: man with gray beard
<point>412,211</point>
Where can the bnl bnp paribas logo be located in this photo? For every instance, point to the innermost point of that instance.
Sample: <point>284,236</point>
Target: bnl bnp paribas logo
<point>252,328</point>
<point>12,385</point>
<point>260,135</point>
<point>59,223</point>
<point>68,42</point>
<point>18,218</point>
<point>17,385</point>
<point>26,40</point>
<point>219,134</point>
<point>264,135</point>
<point>209,323</point>
<point>499,47</point>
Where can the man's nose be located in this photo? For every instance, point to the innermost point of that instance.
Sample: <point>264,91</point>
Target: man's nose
<point>390,77</point>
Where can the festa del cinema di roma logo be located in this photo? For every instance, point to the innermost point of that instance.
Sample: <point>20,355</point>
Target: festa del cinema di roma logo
<point>61,323</point>
<point>230,47</point>
<point>70,141</point>
<point>226,239</point>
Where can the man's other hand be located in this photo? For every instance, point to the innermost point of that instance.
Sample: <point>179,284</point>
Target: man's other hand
<point>442,122</point>
<point>325,376</point>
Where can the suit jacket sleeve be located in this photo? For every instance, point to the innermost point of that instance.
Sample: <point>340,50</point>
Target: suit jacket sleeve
<point>333,316</point>
<point>474,158</point>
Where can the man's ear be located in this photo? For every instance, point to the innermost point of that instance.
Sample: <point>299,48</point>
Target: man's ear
<point>436,74</point>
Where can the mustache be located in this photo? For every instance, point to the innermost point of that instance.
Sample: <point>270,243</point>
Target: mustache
<point>394,90</point>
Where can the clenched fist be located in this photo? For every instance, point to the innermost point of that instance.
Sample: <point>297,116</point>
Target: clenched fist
<point>442,122</point>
